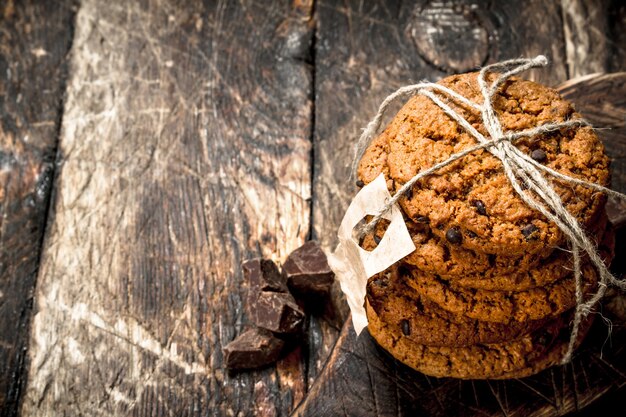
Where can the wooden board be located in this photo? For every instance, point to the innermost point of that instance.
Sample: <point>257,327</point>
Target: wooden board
<point>186,147</point>
<point>197,134</point>
<point>361,379</point>
<point>34,40</point>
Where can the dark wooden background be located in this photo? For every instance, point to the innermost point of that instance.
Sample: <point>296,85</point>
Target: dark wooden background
<point>148,147</point>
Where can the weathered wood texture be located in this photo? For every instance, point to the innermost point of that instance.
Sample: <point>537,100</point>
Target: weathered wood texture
<point>361,379</point>
<point>617,36</point>
<point>185,145</point>
<point>34,40</point>
<point>185,148</point>
<point>586,25</point>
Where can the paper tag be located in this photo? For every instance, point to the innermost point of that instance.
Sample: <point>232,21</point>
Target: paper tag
<point>352,264</point>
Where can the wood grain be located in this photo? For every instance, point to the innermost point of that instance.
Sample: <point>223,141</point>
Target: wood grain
<point>361,379</point>
<point>34,40</point>
<point>585,26</point>
<point>617,36</point>
<point>185,148</point>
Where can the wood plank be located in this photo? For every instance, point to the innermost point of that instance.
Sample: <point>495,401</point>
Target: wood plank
<point>185,149</point>
<point>617,35</point>
<point>34,40</point>
<point>585,27</point>
<point>366,50</point>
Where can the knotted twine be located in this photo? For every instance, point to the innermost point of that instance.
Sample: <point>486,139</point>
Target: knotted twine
<point>524,173</point>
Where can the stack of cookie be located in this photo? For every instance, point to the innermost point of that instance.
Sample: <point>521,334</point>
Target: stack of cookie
<point>489,292</point>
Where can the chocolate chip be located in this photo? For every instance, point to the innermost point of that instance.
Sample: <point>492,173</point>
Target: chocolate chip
<point>359,183</point>
<point>480,207</point>
<point>529,230</point>
<point>471,234</point>
<point>307,270</point>
<point>422,219</point>
<point>406,327</point>
<point>538,155</point>
<point>277,312</point>
<point>252,349</point>
<point>454,236</point>
<point>377,239</point>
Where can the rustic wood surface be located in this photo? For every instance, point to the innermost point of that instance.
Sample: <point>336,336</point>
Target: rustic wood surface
<point>185,150</point>
<point>35,38</point>
<point>189,136</point>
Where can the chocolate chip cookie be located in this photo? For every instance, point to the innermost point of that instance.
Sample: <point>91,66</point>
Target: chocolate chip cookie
<point>470,269</point>
<point>471,203</point>
<point>423,322</point>
<point>503,306</point>
<point>519,357</point>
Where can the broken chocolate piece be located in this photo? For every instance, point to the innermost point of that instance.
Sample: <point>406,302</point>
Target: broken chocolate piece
<point>307,270</point>
<point>263,275</point>
<point>277,312</point>
<point>252,349</point>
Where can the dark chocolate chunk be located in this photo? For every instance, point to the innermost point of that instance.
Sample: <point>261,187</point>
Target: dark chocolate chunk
<point>252,349</point>
<point>307,270</point>
<point>480,207</point>
<point>538,155</point>
<point>277,312</point>
<point>406,327</point>
<point>471,234</point>
<point>359,183</point>
<point>529,230</point>
<point>423,219</point>
<point>263,275</point>
<point>454,236</point>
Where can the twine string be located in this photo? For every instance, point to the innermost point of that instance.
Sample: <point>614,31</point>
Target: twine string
<point>519,168</point>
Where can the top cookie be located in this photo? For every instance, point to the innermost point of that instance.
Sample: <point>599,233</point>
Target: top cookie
<point>470,202</point>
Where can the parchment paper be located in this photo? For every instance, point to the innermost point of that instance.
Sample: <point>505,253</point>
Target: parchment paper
<point>352,264</point>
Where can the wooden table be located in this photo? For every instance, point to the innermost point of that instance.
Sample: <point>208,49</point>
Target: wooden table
<point>148,147</point>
